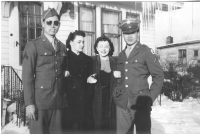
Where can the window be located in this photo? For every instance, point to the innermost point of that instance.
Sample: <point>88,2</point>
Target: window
<point>87,24</point>
<point>110,21</point>
<point>182,56</point>
<point>30,23</point>
<point>196,53</point>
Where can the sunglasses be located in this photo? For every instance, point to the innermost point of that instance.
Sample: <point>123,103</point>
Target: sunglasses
<point>49,23</point>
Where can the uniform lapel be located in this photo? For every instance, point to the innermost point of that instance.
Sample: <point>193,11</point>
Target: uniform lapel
<point>135,50</point>
<point>46,43</point>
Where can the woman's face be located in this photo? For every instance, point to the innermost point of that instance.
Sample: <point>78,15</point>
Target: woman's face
<point>77,44</point>
<point>103,48</point>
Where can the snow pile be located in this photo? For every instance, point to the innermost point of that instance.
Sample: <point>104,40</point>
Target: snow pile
<point>176,117</point>
<point>12,128</point>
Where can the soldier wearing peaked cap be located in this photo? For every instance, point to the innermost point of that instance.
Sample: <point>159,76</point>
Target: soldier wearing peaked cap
<point>42,74</point>
<point>132,93</point>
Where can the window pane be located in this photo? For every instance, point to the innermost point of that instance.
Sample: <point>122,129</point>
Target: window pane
<point>32,29</point>
<point>37,10</point>
<point>88,45</point>
<point>86,19</point>
<point>31,21</point>
<point>38,22</point>
<point>30,8</point>
<point>24,33</point>
<point>31,33</point>
<point>38,32</point>
<point>110,22</point>
<point>23,21</point>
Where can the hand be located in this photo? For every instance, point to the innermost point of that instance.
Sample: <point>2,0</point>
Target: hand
<point>30,112</point>
<point>67,73</point>
<point>117,74</point>
<point>91,79</point>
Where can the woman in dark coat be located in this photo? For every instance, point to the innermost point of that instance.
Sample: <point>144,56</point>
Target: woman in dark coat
<point>78,116</point>
<point>103,66</point>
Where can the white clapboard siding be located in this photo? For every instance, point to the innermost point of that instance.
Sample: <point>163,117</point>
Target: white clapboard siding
<point>67,26</point>
<point>4,41</point>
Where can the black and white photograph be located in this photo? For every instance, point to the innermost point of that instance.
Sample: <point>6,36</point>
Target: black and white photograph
<point>100,67</point>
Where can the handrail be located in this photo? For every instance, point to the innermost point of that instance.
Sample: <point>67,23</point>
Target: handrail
<point>13,90</point>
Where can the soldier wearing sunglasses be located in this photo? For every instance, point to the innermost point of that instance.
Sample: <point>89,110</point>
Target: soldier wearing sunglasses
<point>42,74</point>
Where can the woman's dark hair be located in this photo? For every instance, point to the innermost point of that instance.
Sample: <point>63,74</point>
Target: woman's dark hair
<point>72,36</point>
<point>104,38</point>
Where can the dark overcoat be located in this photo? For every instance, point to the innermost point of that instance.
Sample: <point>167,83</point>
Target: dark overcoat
<point>135,70</point>
<point>97,105</point>
<point>79,93</point>
<point>42,73</point>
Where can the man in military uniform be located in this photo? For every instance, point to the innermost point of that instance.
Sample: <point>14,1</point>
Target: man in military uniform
<point>132,94</point>
<point>42,75</point>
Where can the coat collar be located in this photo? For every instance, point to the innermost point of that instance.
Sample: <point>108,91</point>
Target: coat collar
<point>135,50</point>
<point>48,45</point>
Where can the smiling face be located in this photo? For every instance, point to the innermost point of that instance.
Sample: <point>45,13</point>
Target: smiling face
<point>131,38</point>
<point>103,48</point>
<point>77,44</point>
<point>51,29</point>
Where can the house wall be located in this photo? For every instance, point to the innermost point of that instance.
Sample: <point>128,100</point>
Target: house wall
<point>172,52</point>
<point>4,38</point>
<point>182,24</point>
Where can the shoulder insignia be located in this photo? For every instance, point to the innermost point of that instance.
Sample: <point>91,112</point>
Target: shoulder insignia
<point>25,56</point>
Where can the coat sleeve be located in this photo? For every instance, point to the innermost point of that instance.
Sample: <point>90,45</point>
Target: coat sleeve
<point>28,73</point>
<point>156,72</point>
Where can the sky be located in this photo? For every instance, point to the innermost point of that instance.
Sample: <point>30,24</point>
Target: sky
<point>169,118</point>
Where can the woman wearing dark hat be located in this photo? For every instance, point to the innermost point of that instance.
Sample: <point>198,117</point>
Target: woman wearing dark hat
<point>104,65</point>
<point>78,115</point>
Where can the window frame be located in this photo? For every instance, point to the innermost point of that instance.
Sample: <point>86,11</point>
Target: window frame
<point>119,31</point>
<point>196,53</point>
<point>182,57</point>
<point>28,26</point>
<point>88,32</point>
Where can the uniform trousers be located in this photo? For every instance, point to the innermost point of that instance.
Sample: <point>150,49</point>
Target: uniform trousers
<point>127,118</point>
<point>47,122</point>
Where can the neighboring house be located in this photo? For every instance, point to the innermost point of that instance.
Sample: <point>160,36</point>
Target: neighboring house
<point>183,52</point>
<point>21,22</point>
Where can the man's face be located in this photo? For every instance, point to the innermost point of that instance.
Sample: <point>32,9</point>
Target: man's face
<point>131,38</point>
<point>51,25</point>
<point>77,44</point>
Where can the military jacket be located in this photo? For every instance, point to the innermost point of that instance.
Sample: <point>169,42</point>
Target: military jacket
<point>42,73</point>
<point>135,70</point>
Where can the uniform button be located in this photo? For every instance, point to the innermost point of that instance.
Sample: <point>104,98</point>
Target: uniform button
<point>56,78</point>
<point>79,75</point>
<point>126,62</point>
<point>135,60</point>
<point>126,77</point>
<point>45,53</point>
<point>41,86</point>
<point>140,92</point>
<point>126,85</point>
<point>126,70</point>
<point>56,62</point>
<point>56,70</point>
<point>55,54</point>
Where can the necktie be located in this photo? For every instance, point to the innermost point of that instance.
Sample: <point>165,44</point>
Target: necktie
<point>128,51</point>
<point>54,43</point>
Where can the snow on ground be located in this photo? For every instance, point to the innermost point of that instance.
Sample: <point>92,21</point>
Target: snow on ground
<point>169,118</point>
<point>176,117</point>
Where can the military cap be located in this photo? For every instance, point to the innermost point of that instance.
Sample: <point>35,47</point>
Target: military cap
<point>49,13</point>
<point>129,25</point>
